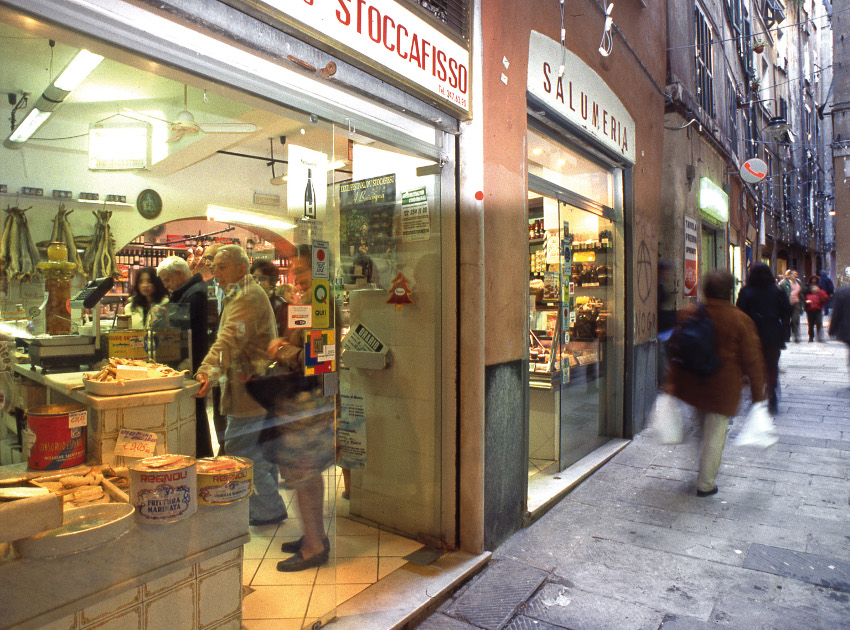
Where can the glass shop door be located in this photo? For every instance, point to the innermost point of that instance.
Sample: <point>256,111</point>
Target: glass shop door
<point>589,373</point>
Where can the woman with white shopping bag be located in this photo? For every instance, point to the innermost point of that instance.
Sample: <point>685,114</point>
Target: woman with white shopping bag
<point>717,395</point>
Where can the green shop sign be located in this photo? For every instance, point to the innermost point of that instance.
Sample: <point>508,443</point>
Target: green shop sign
<point>713,202</point>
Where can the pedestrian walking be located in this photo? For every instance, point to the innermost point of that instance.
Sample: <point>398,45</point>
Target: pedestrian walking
<point>716,396</point>
<point>839,325</point>
<point>826,284</point>
<point>815,300</point>
<point>795,291</point>
<point>770,309</point>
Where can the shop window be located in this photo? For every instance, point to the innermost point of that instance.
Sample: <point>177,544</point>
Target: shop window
<point>575,318</point>
<point>704,66</point>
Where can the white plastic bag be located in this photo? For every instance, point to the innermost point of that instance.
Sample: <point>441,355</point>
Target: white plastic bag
<point>758,429</point>
<point>666,420</point>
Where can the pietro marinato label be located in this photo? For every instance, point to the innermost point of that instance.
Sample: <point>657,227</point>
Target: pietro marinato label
<point>580,95</point>
<point>390,35</point>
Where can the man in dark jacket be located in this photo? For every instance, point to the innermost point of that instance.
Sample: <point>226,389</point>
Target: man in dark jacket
<point>839,325</point>
<point>769,308</point>
<point>187,310</point>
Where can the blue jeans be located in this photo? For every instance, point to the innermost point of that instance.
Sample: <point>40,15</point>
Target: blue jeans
<point>241,438</point>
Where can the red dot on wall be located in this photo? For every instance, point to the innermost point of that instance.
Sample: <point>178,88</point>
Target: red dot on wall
<point>479,195</point>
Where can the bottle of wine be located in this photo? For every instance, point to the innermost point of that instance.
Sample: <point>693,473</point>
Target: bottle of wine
<point>309,197</point>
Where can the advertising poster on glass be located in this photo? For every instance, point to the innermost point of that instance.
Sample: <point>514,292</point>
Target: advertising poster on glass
<point>306,188</point>
<point>691,257</point>
<point>366,218</point>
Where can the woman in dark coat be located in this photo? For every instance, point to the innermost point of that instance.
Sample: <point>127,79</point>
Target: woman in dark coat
<point>769,308</point>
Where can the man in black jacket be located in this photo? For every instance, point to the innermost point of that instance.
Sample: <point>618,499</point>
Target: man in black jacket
<point>187,310</point>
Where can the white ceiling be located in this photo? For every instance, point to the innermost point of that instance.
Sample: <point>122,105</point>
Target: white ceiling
<point>30,63</point>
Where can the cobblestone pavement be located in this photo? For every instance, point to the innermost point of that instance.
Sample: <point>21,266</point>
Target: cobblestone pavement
<point>633,547</point>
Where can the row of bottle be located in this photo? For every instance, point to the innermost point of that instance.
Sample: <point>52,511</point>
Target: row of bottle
<point>536,229</point>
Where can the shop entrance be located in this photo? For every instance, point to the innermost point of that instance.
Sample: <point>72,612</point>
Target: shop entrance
<point>286,178</point>
<point>575,375</point>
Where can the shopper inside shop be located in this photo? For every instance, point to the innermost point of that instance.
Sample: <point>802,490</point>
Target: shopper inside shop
<point>266,274</point>
<point>187,310</point>
<point>149,299</point>
<point>246,327</point>
<point>303,443</point>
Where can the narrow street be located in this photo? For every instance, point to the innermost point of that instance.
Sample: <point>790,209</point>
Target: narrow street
<point>634,548</point>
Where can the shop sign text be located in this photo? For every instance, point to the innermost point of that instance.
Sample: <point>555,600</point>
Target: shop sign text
<point>579,94</point>
<point>392,36</point>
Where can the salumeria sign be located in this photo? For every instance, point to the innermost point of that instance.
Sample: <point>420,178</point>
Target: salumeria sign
<point>580,95</point>
<point>392,36</point>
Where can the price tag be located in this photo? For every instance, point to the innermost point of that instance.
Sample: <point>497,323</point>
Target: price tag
<point>77,419</point>
<point>133,443</point>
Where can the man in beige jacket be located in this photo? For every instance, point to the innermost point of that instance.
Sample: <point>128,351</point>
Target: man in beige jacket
<point>246,327</point>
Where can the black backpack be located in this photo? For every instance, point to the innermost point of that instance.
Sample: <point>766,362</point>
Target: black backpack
<point>692,344</point>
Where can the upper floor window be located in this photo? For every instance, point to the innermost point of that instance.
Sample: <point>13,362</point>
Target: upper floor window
<point>704,67</point>
<point>732,100</point>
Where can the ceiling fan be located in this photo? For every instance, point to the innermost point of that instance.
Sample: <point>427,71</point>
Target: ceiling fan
<point>184,124</point>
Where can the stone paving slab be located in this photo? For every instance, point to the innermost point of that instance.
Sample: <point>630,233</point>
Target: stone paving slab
<point>579,610</point>
<point>521,622</point>
<point>439,621</point>
<point>822,570</point>
<point>494,598</point>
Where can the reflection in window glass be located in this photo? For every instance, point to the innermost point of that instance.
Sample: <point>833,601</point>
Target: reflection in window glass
<point>569,170</point>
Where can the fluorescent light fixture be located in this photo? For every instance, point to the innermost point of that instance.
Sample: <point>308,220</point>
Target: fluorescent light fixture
<point>73,74</point>
<point>29,126</point>
<point>119,146</point>
<point>335,165</point>
<point>76,72</point>
<point>231,215</point>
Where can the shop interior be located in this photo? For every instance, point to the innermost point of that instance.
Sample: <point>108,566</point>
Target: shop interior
<point>228,167</point>
<point>574,314</point>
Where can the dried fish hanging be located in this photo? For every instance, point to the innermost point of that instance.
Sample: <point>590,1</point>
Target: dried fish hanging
<point>18,252</point>
<point>99,258</point>
<point>62,234</point>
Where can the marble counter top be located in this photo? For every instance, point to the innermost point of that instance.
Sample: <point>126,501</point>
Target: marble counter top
<point>70,384</point>
<point>38,592</point>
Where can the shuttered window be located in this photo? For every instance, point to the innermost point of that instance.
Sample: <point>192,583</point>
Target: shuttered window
<point>454,14</point>
<point>705,80</point>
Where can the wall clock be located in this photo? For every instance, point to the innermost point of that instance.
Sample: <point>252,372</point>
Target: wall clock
<point>149,203</point>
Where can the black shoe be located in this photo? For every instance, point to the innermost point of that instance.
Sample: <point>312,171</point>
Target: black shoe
<point>297,563</point>
<point>295,545</point>
<point>259,522</point>
<point>707,493</point>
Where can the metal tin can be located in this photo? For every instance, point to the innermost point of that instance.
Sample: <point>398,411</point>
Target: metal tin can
<point>56,435</point>
<point>225,479</point>
<point>164,489</point>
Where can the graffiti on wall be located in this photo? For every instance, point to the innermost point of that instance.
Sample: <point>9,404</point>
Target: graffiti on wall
<point>646,257</point>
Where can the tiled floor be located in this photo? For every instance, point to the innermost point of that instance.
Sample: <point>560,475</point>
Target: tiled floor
<point>360,556</point>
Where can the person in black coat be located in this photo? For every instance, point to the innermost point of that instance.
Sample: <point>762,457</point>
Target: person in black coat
<point>769,308</point>
<point>187,310</point>
<point>839,325</point>
<point>826,284</point>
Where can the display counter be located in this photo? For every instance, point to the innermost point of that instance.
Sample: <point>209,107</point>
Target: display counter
<point>170,414</point>
<point>183,575</point>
